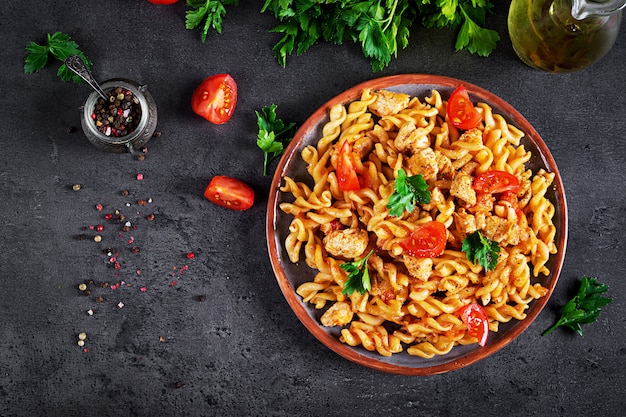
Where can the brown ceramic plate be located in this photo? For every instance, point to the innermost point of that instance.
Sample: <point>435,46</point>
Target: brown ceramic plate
<point>290,276</point>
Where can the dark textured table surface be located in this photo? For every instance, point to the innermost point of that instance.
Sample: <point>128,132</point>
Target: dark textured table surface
<point>213,335</point>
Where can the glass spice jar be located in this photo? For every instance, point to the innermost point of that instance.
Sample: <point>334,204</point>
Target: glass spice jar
<point>129,135</point>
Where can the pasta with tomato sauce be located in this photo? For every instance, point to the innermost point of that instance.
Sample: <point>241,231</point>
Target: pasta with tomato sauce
<point>415,298</point>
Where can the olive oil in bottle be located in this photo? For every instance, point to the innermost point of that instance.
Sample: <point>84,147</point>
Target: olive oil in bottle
<point>546,36</point>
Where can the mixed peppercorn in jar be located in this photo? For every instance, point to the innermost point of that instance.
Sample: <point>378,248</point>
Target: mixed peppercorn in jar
<point>118,116</point>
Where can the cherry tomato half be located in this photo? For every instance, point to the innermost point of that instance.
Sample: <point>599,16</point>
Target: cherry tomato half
<point>230,193</point>
<point>347,177</point>
<point>215,98</point>
<point>427,241</point>
<point>461,111</point>
<point>496,182</point>
<point>163,1</point>
<point>475,317</point>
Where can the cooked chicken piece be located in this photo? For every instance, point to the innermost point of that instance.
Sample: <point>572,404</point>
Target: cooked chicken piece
<point>470,167</point>
<point>473,137</point>
<point>503,231</point>
<point>420,268</point>
<point>424,162</point>
<point>465,222</point>
<point>363,146</point>
<point>444,165</point>
<point>484,203</point>
<point>388,103</point>
<point>436,197</point>
<point>346,243</point>
<point>382,288</point>
<point>338,314</point>
<point>462,189</point>
<point>410,139</point>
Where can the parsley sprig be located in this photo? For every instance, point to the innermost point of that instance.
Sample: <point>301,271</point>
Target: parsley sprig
<point>479,249</point>
<point>358,276</point>
<point>408,191</point>
<point>274,134</point>
<point>60,46</point>
<point>381,27</point>
<point>206,15</point>
<point>584,307</point>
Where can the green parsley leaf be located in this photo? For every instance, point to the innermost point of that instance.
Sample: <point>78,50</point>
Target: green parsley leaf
<point>358,276</point>
<point>472,36</point>
<point>408,191</point>
<point>584,307</point>
<point>211,12</point>
<point>274,135</point>
<point>60,46</point>
<point>482,250</point>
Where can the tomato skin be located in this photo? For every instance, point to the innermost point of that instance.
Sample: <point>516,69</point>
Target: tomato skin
<point>461,111</point>
<point>475,317</point>
<point>229,193</point>
<point>163,1</point>
<point>215,98</point>
<point>495,182</point>
<point>427,241</point>
<point>347,177</point>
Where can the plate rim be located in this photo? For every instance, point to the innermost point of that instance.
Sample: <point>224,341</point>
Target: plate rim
<point>297,306</point>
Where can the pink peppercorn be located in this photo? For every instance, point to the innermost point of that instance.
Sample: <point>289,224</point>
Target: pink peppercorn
<point>99,207</point>
<point>139,177</point>
<point>190,255</point>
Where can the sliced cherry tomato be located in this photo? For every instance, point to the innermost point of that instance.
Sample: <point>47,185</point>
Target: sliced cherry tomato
<point>163,1</point>
<point>475,317</point>
<point>427,241</point>
<point>461,111</point>
<point>215,98</point>
<point>347,177</point>
<point>491,182</point>
<point>230,193</point>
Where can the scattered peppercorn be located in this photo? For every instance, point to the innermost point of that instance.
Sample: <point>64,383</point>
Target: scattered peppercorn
<point>150,217</point>
<point>76,187</point>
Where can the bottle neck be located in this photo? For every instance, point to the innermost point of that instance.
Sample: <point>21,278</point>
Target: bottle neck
<point>582,9</point>
<point>564,14</point>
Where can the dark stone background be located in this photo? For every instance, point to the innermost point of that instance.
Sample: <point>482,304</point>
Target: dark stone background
<point>241,351</point>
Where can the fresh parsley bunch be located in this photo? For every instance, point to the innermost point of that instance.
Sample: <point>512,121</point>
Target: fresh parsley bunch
<point>380,26</point>
<point>60,46</point>
<point>408,191</point>
<point>358,276</point>
<point>479,249</point>
<point>274,134</point>
<point>206,15</point>
<point>584,307</point>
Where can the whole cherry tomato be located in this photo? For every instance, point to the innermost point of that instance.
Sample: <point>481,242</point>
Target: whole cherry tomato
<point>215,98</point>
<point>163,1</point>
<point>427,241</point>
<point>230,193</point>
<point>491,182</point>
<point>347,177</point>
<point>475,317</point>
<point>461,111</point>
